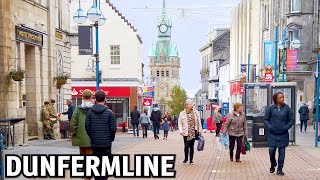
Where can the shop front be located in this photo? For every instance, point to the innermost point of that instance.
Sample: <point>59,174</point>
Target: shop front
<point>236,92</point>
<point>120,100</point>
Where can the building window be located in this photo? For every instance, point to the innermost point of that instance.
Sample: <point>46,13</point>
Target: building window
<point>115,54</point>
<point>266,16</point>
<point>295,6</point>
<point>167,73</point>
<point>158,73</point>
<point>162,73</point>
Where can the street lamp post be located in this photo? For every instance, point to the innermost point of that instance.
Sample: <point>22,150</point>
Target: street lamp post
<point>283,44</point>
<point>317,100</point>
<point>95,15</point>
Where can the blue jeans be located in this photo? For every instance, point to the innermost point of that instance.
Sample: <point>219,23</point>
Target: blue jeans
<point>282,154</point>
<point>156,128</point>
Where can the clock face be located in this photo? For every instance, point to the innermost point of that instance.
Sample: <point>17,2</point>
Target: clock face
<point>163,28</point>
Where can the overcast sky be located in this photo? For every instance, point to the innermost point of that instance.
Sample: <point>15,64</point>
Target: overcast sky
<point>192,20</point>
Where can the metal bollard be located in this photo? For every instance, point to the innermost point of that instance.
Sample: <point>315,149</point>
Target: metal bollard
<point>1,158</point>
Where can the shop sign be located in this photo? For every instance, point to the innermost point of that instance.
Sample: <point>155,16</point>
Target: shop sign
<point>268,77</point>
<point>110,91</point>
<point>115,101</point>
<point>292,59</point>
<point>225,105</point>
<point>29,36</point>
<point>236,88</point>
<point>147,102</point>
<point>59,35</point>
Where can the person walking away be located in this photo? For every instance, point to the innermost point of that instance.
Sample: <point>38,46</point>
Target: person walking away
<point>101,128</point>
<point>217,118</point>
<point>278,118</point>
<point>236,127</point>
<point>166,128</point>
<point>145,122</point>
<point>135,115</point>
<point>47,124</point>
<point>189,124</point>
<point>175,122</point>
<point>156,119</point>
<point>71,108</point>
<point>169,120</point>
<point>304,116</point>
<point>79,136</point>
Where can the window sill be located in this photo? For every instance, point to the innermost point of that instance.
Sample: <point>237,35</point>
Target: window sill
<point>115,66</point>
<point>297,13</point>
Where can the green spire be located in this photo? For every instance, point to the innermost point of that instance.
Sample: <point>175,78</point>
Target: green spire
<point>173,51</point>
<point>153,52</point>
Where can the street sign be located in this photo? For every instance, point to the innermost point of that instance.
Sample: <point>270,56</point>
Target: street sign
<point>200,107</point>
<point>268,77</point>
<point>225,105</point>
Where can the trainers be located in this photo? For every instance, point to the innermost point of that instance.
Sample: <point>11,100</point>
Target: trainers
<point>184,161</point>
<point>191,162</point>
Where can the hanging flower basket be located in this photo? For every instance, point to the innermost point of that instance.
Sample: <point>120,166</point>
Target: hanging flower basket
<point>61,80</point>
<point>17,75</point>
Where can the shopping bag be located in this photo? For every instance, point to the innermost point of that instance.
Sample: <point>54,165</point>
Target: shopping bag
<point>224,140</point>
<point>200,143</point>
<point>247,145</point>
<point>243,149</point>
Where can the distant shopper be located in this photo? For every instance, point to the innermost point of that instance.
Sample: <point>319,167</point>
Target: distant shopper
<point>217,118</point>
<point>189,126</point>
<point>175,122</point>
<point>156,119</point>
<point>279,118</point>
<point>135,115</point>
<point>101,127</point>
<point>236,127</point>
<point>304,116</point>
<point>71,108</point>
<point>145,122</point>
<point>79,136</point>
<point>166,127</point>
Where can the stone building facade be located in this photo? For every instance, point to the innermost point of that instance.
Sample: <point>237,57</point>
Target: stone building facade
<point>33,36</point>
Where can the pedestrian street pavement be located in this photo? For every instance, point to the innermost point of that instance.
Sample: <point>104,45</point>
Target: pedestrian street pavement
<point>302,160</point>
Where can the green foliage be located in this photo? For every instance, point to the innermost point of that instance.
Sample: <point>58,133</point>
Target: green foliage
<point>179,96</point>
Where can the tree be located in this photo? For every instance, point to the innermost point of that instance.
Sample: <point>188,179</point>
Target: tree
<point>179,97</point>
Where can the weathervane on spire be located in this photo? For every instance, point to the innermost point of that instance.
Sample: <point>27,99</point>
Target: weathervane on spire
<point>163,8</point>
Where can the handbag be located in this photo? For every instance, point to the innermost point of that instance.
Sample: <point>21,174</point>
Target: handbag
<point>196,135</point>
<point>243,149</point>
<point>200,143</point>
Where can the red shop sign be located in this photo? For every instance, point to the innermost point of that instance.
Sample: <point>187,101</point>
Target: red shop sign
<point>110,91</point>
<point>236,88</point>
<point>268,77</point>
<point>147,101</point>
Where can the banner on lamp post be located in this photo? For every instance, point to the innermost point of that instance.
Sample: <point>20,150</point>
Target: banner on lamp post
<point>269,57</point>
<point>85,40</point>
<point>292,59</point>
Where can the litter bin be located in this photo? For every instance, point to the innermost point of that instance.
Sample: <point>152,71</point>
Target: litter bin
<point>259,131</point>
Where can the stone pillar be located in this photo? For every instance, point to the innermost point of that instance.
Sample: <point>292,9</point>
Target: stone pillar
<point>33,98</point>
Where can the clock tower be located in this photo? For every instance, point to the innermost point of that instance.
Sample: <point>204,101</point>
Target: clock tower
<point>164,62</point>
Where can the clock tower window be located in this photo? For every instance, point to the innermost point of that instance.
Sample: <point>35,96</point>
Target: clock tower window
<point>158,73</point>
<point>162,73</point>
<point>167,73</point>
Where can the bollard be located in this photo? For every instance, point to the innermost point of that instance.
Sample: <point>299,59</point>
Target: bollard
<point>1,158</point>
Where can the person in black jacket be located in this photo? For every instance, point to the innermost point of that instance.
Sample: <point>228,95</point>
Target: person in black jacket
<point>278,119</point>
<point>101,128</point>
<point>304,116</point>
<point>71,108</point>
<point>135,115</point>
<point>156,119</point>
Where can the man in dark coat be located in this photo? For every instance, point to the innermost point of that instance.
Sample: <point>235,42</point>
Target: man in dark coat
<point>71,108</point>
<point>135,115</point>
<point>278,118</point>
<point>304,116</point>
<point>156,119</point>
<point>101,128</point>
